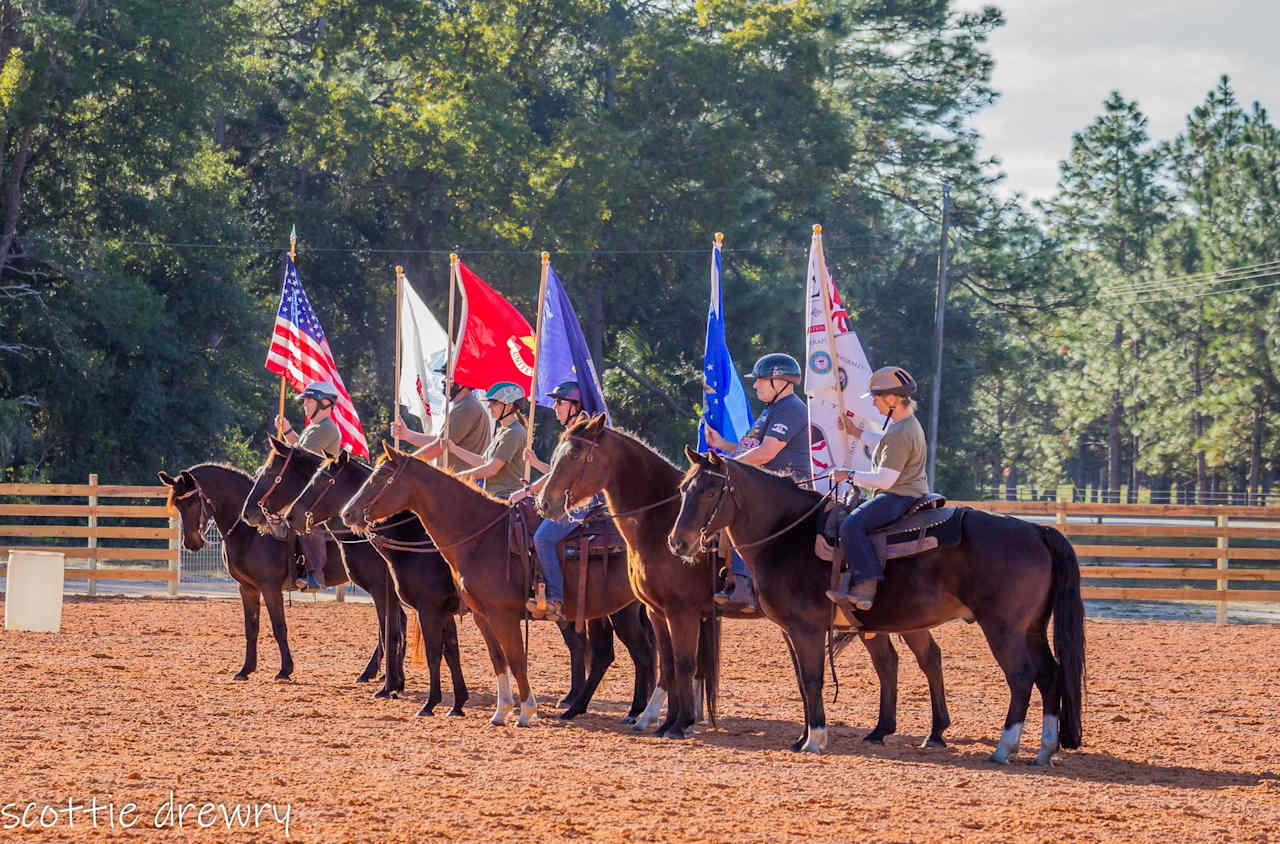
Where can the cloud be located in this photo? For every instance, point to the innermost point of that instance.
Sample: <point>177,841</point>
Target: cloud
<point>1057,60</point>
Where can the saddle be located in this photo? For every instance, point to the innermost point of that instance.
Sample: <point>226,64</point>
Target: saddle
<point>926,525</point>
<point>596,540</point>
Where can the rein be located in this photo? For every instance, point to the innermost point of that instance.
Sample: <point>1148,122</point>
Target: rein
<point>206,506</point>
<point>727,487</point>
<point>593,444</point>
<point>381,542</point>
<point>262,502</point>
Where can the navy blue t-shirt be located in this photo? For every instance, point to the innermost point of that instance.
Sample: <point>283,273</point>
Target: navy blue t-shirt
<point>787,419</point>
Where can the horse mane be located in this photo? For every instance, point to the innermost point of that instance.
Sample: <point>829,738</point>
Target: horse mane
<point>575,429</point>
<point>784,482</point>
<point>444,470</point>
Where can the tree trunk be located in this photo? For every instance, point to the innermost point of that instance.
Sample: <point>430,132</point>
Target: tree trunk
<point>1255,454</point>
<point>1113,428</point>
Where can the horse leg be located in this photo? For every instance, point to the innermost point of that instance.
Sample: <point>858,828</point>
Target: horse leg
<point>449,636</point>
<point>929,658</point>
<point>392,625</point>
<point>274,600</point>
<point>508,635</point>
<point>807,643</point>
<point>249,598</point>
<point>1009,646</point>
<point>601,654</point>
<point>375,660</point>
<point>885,661</point>
<point>505,701</point>
<point>433,641</point>
<point>666,673</point>
<point>684,646</point>
<point>798,744</point>
<point>577,644</point>
<point>1047,683</point>
<point>637,636</point>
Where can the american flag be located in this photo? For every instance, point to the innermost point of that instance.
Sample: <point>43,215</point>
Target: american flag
<point>300,353</point>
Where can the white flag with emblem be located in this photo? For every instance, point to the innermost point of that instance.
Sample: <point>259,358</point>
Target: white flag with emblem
<point>424,346</point>
<point>836,374</point>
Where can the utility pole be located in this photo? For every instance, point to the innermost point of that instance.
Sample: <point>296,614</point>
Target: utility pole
<point>936,398</point>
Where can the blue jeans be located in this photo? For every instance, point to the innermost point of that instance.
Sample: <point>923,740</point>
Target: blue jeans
<point>869,515</point>
<point>545,539</point>
<point>739,565</point>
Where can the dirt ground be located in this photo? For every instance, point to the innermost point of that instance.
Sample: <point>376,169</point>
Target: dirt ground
<point>134,701</point>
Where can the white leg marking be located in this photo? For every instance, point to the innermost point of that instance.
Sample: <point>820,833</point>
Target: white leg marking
<point>652,710</point>
<point>505,701</point>
<point>1048,741</point>
<point>817,741</point>
<point>528,711</point>
<point>1008,746</point>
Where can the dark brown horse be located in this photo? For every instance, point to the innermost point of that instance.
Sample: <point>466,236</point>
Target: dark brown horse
<point>283,475</point>
<point>634,478</point>
<point>261,564</point>
<point>1007,574</point>
<point>469,528</point>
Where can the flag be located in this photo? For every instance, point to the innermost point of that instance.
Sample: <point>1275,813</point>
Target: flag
<point>828,384</point>
<point>424,347</point>
<point>300,353</point>
<point>562,350</point>
<point>726,407</point>
<point>496,342</point>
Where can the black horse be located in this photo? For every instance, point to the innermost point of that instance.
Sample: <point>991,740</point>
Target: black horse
<point>262,565</point>
<point>277,483</point>
<point>1007,574</point>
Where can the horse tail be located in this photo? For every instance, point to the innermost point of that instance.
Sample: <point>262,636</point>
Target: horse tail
<point>709,663</point>
<point>1068,635</point>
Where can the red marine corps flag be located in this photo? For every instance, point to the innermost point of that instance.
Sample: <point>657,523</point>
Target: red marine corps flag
<point>496,342</point>
<point>300,354</point>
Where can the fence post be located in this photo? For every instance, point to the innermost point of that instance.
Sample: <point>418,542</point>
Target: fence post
<point>1222,567</point>
<point>341,593</point>
<point>93,534</point>
<point>175,558</point>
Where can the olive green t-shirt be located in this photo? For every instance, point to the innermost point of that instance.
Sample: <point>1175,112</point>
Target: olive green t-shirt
<point>903,448</point>
<point>469,426</point>
<point>321,437</point>
<point>507,444</point>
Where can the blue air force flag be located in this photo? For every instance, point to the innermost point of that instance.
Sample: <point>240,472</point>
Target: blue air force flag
<point>726,407</point>
<point>563,354</point>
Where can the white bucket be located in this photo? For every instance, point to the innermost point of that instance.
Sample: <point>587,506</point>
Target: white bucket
<point>33,595</point>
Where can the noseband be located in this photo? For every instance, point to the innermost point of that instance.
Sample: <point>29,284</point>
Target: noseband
<point>391,479</point>
<point>206,506</point>
<point>308,519</point>
<point>591,445</point>
<point>726,488</point>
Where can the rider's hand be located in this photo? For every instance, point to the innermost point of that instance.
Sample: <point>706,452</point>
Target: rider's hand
<point>529,455</point>
<point>519,495</point>
<point>713,436</point>
<point>839,475</point>
<point>282,424</point>
<point>399,430</point>
<point>849,426</point>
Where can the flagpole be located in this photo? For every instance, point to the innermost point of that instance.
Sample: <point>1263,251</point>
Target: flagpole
<point>395,392</point>
<point>450,356</point>
<point>537,346</point>
<point>293,256</point>
<point>825,285</point>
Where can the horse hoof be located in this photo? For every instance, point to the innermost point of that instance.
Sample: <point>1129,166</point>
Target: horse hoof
<point>568,715</point>
<point>364,678</point>
<point>627,719</point>
<point>241,676</point>
<point>497,722</point>
<point>283,675</point>
<point>934,741</point>
<point>566,700</point>
<point>874,737</point>
<point>456,712</point>
<point>427,710</point>
<point>382,693</point>
<point>676,733</point>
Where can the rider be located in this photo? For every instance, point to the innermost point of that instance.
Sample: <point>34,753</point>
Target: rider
<point>567,403</point>
<point>321,436</point>
<point>468,426</point>
<point>778,440</point>
<point>898,474</point>
<point>501,466</point>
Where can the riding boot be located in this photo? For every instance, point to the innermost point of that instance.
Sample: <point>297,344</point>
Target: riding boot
<point>314,551</point>
<point>861,596</point>
<point>742,597</point>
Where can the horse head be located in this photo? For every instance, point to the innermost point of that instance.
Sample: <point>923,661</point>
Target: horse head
<point>381,495</point>
<point>579,468</point>
<point>278,482</point>
<point>702,493</point>
<point>192,506</point>
<point>324,496</point>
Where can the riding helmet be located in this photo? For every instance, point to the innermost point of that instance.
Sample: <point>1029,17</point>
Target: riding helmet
<point>567,390</point>
<point>890,380</point>
<point>505,392</point>
<point>777,365</point>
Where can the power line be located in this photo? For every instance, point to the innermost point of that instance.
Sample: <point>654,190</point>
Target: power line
<point>1180,297</point>
<point>1203,278</point>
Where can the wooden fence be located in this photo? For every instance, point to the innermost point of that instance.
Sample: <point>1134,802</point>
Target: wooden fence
<point>1239,544</point>
<point>99,536</point>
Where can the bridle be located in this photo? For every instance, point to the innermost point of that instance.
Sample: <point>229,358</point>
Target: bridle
<point>726,490</point>
<point>308,519</point>
<point>591,445</point>
<point>270,516</point>
<point>391,479</point>
<point>206,506</point>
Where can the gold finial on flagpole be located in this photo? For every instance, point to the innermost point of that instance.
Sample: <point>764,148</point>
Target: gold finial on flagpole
<point>817,229</point>
<point>719,239</point>
<point>399,270</point>
<point>293,243</point>
<point>546,256</point>
<point>453,257</point>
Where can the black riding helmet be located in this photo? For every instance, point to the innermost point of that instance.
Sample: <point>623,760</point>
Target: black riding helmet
<point>567,390</point>
<point>777,365</point>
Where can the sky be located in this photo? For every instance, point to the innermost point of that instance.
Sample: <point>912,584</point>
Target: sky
<point>1057,60</point>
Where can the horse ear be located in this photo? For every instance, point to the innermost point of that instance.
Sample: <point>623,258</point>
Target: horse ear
<point>166,478</point>
<point>185,476</point>
<point>714,460</point>
<point>391,453</point>
<point>596,425</point>
<point>342,459</point>
<point>278,445</point>
<point>694,457</point>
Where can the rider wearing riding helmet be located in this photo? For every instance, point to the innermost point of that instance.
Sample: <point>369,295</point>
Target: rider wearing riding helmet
<point>469,426</point>
<point>778,440</point>
<point>321,436</point>
<point>899,475</point>
<point>567,403</point>
<point>501,466</point>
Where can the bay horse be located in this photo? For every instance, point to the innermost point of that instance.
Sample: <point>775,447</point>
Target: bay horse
<point>1007,574</point>
<point>260,564</point>
<point>423,581</point>
<point>469,527</point>
<point>643,488</point>
<point>281,477</point>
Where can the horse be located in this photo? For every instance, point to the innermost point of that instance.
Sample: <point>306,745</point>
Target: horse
<point>423,581</point>
<point>260,564</point>
<point>1006,574</point>
<point>470,529</point>
<point>279,480</point>
<point>642,488</point>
